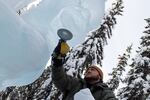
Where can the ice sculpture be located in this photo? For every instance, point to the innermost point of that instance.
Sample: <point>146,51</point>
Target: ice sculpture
<point>24,52</point>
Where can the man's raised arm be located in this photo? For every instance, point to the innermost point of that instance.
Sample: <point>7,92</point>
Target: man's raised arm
<point>62,81</point>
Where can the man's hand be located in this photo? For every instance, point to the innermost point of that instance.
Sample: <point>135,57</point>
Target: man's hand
<point>61,49</point>
<point>60,52</point>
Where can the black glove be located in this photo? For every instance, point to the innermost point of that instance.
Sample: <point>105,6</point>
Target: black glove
<point>59,53</point>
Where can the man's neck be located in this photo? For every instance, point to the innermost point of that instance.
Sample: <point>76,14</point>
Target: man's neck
<point>93,81</point>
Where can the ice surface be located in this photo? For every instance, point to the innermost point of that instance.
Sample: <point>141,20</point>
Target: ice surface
<point>17,4</point>
<point>79,16</point>
<point>24,52</point>
<point>28,40</point>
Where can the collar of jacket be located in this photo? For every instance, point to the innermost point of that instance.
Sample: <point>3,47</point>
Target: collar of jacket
<point>99,85</point>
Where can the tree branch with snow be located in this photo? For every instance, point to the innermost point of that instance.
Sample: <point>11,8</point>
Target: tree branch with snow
<point>116,75</point>
<point>138,78</point>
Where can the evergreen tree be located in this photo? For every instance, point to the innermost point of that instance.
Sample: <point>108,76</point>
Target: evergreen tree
<point>138,79</point>
<point>117,72</point>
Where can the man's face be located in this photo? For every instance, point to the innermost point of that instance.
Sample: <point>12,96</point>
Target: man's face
<point>92,74</point>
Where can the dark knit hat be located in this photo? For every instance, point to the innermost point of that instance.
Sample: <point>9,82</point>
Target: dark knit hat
<point>98,70</point>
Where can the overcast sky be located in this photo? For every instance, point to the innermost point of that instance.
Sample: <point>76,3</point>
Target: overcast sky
<point>128,30</point>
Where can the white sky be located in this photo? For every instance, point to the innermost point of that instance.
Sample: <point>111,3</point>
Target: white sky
<point>128,30</point>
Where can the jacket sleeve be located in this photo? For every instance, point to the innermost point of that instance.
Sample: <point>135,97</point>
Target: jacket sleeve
<point>63,81</point>
<point>108,95</point>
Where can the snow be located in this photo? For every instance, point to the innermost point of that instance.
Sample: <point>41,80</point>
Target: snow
<point>148,77</point>
<point>138,80</point>
<point>141,60</point>
<point>46,83</point>
<point>29,39</point>
<point>146,87</point>
<point>35,3</point>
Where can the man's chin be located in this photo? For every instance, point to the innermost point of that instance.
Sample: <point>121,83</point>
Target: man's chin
<point>91,79</point>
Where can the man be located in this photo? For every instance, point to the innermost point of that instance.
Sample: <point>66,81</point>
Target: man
<point>71,86</point>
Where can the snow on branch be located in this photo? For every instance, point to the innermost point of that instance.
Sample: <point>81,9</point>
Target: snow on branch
<point>138,78</point>
<point>116,75</point>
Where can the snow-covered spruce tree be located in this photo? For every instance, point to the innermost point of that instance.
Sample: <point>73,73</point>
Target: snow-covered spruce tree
<point>90,51</point>
<point>138,79</point>
<point>116,75</point>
